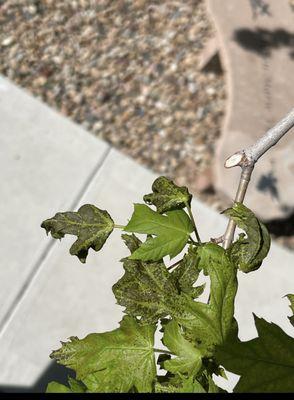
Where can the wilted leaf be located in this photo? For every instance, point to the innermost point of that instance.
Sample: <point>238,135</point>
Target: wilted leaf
<point>113,361</point>
<point>91,225</point>
<point>172,232</point>
<point>189,359</point>
<point>167,196</point>
<point>247,253</point>
<point>266,363</point>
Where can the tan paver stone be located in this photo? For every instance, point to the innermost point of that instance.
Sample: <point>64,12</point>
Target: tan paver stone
<point>258,56</point>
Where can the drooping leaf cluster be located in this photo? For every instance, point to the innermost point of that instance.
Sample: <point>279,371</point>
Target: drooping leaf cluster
<point>199,337</point>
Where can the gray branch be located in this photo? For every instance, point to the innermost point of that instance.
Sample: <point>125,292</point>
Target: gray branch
<point>247,159</point>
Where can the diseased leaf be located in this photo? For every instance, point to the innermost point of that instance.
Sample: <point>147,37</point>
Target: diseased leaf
<point>247,253</point>
<point>167,196</point>
<point>172,232</point>
<point>291,299</point>
<point>210,323</point>
<point>189,359</point>
<point>266,363</point>
<point>187,272</point>
<point>146,289</point>
<point>91,225</point>
<point>113,361</point>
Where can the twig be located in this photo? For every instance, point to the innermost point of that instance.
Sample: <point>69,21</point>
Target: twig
<point>247,159</point>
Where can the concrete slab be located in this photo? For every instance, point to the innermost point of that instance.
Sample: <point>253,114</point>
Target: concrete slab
<point>67,298</point>
<point>46,162</point>
<point>257,54</point>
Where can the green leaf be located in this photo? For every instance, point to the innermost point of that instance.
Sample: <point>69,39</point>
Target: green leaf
<point>146,289</point>
<point>247,253</point>
<point>210,323</point>
<point>55,387</point>
<point>266,363</point>
<point>189,359</point>
<point>167,196</point>
<point>179,384</point>
<point>291,299</point>
<point>113,361</point>
<point>172,232</point>
<point>187,272</point>
<point>91,225</point>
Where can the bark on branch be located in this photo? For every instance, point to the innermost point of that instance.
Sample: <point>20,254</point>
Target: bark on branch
<point>247,159</point>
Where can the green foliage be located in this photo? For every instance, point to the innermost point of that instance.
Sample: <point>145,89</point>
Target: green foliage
<point>91,225</point>
<point>113,361</point>
<point>189,358</point>
<point>74,387</point>
<point>210,323</point>
<point>199,337</point>
<point>167,196</point>
<point>266,363</point>
<point>172,232</point>
<point>248,252</point>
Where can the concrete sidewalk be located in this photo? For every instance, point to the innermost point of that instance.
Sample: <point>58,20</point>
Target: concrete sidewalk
<point>49,164</point>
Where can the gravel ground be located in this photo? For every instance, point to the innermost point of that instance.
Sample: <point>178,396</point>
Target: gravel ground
<point>127,71</point>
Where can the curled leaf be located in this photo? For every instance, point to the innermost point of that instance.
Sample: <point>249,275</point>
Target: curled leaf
<point>167,196</point>
<point>187,272</point>
<point>91,225</point>
<point>248,252</point>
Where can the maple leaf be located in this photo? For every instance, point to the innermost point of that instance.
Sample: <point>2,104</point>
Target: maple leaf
<point>91,225</point>
<point>172,232</point>
<point>112,361</point>
<point>167,196</point>
<point>247,253</point>
<point>266,363</point>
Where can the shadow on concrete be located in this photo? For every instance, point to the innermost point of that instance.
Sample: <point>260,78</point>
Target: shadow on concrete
<point>281,227</point>
<point>263,41</point>
<point>54,372</point>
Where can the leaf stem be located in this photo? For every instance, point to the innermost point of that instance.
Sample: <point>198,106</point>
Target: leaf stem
<point>118,226</point>
<point>193,222</point>
<point>163,351</point>
<point>174,264</point>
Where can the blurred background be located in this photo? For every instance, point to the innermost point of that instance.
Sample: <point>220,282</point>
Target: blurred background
<point>159,80</point>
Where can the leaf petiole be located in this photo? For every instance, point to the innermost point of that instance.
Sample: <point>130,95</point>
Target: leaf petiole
<point>163,351</point>
<point>193,222</point>
<point>118,226</point>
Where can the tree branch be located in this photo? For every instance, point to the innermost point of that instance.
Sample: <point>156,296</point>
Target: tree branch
<point>247,159</point>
